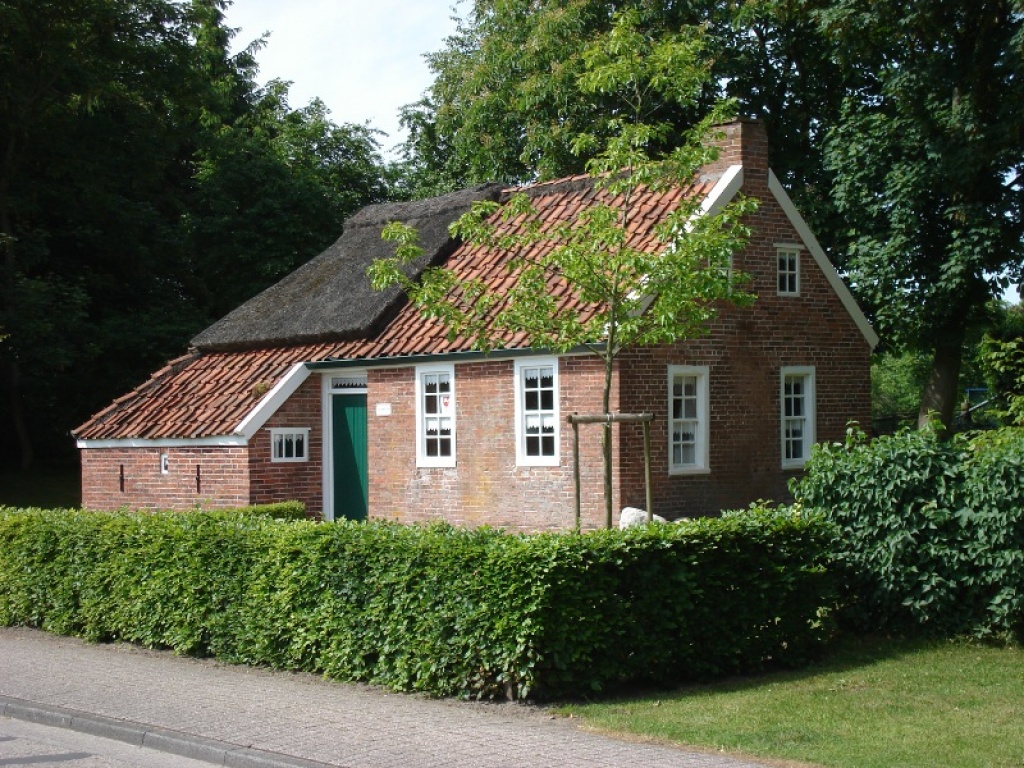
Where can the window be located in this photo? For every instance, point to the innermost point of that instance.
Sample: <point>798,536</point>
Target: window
<point>291,444</point>
<point>536,411</point>
<point>435,416</point>
<point>797,401</point>
<point>788,258</point>
<point>689,414</point>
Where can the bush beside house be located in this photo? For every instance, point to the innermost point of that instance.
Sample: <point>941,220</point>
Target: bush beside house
<point>931,532</point>
<point>434,608</point>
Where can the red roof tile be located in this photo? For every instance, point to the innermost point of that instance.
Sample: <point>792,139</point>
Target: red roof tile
<point>209,394</point>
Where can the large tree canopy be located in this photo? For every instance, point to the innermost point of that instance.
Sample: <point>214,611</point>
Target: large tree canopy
<point>928,153</point>
<point>147,185</point>
<point>506,103</point>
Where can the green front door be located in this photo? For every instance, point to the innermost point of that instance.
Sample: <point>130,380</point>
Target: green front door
<point>349,444</point>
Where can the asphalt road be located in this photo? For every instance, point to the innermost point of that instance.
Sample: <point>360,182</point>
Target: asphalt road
<point>44,746</point>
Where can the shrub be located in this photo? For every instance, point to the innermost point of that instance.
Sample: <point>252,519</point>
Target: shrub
<point>931,532</point>
<point>281,510</point>
<point>433,608</point>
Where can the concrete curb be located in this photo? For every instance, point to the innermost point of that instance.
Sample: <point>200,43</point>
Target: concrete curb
<point>160,739</point>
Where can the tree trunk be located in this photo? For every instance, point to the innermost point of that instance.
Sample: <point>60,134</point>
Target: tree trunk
<point>12,378</point>
<point>606,442</point>
<point>941,393</point>
<point>10,367</point>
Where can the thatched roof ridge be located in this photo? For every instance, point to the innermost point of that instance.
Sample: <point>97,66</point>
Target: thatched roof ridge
<point>330,298</point>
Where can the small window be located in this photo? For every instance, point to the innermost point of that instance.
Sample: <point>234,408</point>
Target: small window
<point>788,259</point>
<point>536,412</point>
<point>165,464</point>
<point>797,415</point>
<point>688,417</point>
<point>290,444</point>
<point>435,416</point>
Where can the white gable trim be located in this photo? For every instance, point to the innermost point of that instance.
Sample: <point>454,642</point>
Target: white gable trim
<point>273,400</point>
<point>227,441</point>
<point>723,191</point>
<point>822,260</point>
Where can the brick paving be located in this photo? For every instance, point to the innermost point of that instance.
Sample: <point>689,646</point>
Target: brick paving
<point>251,717</point>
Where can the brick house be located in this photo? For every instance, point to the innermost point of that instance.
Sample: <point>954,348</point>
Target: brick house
<point>323,390</point>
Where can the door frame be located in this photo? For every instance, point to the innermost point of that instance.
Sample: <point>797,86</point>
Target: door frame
<point>354,384</point>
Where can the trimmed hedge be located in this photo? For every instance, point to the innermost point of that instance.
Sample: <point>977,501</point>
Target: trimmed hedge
<point>450,611</point>
<point>931,531</point>
<point>280,510</point>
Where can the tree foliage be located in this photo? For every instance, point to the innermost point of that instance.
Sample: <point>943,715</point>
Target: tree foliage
<point>928,153</point>
<point>147,185</point>
<point>634,295</point>
<point>507,101</point>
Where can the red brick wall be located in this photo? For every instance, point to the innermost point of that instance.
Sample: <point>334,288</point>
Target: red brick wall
<point>223,478</point>
<point>228,476</point>
<point>486,486</point>
<point>286,481</point>
<point>745,350</point>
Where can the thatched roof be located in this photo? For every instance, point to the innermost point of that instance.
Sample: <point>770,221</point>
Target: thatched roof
<point>330,297</point>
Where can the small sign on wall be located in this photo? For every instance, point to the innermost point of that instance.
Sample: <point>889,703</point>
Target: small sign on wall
<point>383,409</point>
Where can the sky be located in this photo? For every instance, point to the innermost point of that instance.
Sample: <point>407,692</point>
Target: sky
<point>362,58</point>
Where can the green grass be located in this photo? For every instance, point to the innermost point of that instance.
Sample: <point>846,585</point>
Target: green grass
<point>46,488</point>
<point>871,704</point>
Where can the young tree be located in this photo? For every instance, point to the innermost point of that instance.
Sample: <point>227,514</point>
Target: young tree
<point>635,293</point>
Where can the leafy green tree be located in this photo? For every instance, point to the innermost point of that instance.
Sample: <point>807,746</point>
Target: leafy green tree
<point>147,185</point>
<point>635,295</point>
<point>94,97</point>
<point>1001,358</point>
<point>507,104</point>
<point>927,155</point>
<point>272,189</point>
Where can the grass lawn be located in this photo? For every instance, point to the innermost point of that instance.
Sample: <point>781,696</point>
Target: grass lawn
<point>871,704</point>
<point>46,488</point>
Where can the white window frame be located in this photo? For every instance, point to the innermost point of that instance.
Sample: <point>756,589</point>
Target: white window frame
<point>283,433</point>
<point>702,433</point>
<point>809,416</point>
<point>521,414</point>
<point>422,372</point>
<point>792,255</point>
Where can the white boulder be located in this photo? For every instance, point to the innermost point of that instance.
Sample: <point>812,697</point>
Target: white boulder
<point>631,516</point>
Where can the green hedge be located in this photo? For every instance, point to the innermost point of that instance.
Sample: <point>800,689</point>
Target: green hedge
<point>931,531</point>
<point>280,510</point>
<point>450,611</point>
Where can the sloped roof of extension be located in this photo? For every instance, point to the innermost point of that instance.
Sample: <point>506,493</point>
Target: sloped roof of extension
<point>327,311</point>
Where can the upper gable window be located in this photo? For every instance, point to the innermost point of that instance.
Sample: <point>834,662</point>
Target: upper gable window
<point>689,415</point>
<point>788,271</point>
<point>290,444</point>
<point>536,412</point>
<point>435,416</point>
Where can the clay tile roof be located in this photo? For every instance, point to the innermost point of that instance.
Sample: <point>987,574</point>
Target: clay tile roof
<point>326,310</point>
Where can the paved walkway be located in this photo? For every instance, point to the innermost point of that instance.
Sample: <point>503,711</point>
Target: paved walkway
<point>257,718</point>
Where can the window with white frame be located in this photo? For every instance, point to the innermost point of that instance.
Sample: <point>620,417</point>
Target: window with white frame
<point>797,400</point>
<point>788,260</point>
<point>536,412</point>
<point>289,444</point>
<point>435,416</point>
<point>688,418</point>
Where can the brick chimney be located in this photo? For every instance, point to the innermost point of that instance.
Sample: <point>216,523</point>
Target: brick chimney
<point>741,142</point>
